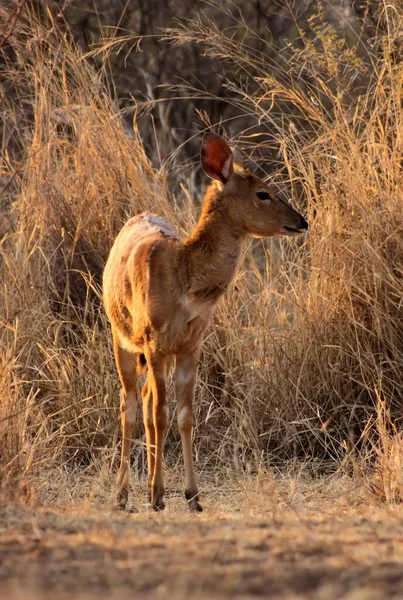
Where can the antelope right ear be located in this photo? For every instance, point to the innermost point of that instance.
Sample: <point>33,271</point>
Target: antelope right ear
<point>216,157</point>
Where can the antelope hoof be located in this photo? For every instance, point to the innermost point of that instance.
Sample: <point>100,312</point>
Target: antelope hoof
<point>156,494</point>
<point>121,505</point>
<point>123,508</point>
<point>158,504</point>
<point>193,502</point>
<point>121,500</point>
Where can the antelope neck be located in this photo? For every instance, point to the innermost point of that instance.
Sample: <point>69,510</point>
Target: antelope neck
<point>211,253</point>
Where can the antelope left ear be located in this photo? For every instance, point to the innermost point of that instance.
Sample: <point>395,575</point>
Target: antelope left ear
<point>216,157</point>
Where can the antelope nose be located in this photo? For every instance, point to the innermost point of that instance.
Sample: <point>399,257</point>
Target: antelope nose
<point>304,223</point>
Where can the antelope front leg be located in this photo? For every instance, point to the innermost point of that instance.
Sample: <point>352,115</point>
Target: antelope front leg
<point>185,380</point>
<point>157,381</point>
<point>150,433</point>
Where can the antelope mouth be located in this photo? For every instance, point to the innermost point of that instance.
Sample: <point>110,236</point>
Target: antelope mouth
<point>292,230</point>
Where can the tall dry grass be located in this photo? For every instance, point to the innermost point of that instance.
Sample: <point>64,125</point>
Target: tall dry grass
<point>308,340</point>
<point>79,175</point>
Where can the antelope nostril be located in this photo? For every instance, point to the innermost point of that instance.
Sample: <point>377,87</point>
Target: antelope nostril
<point>304,223</point>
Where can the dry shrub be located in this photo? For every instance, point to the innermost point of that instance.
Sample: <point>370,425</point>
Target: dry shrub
<point>309,332</point>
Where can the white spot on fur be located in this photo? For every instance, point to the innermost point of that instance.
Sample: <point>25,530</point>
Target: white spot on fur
<point>163,225</point>
<point>147,223</point>
<point>183,416</point>
<point>196,307</point>
<point>193,307</point>
<point>131,408</point>
<point>182,377</point>
<point>126,344</point>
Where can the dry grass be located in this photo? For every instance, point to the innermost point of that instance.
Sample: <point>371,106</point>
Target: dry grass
<point>308,343</point>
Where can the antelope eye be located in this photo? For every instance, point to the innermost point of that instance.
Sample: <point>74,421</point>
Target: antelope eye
<point>263,195</point>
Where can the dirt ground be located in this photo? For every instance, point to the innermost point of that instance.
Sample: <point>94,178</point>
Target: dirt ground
<point>260,545</point>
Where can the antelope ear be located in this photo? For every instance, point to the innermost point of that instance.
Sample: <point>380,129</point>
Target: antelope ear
<point>216,157</point>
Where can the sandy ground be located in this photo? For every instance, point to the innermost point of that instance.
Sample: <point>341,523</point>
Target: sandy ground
<point>319,549</point>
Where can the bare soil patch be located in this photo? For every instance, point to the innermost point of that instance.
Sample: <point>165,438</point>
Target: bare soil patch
<point>317,550</point>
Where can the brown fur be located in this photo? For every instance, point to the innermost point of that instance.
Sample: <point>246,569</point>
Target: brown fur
<point>160,293</point>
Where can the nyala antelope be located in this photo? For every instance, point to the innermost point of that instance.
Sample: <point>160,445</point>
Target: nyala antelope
<point>160,293</point>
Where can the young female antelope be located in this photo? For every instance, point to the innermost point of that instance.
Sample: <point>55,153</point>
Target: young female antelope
<point>160,293</point>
